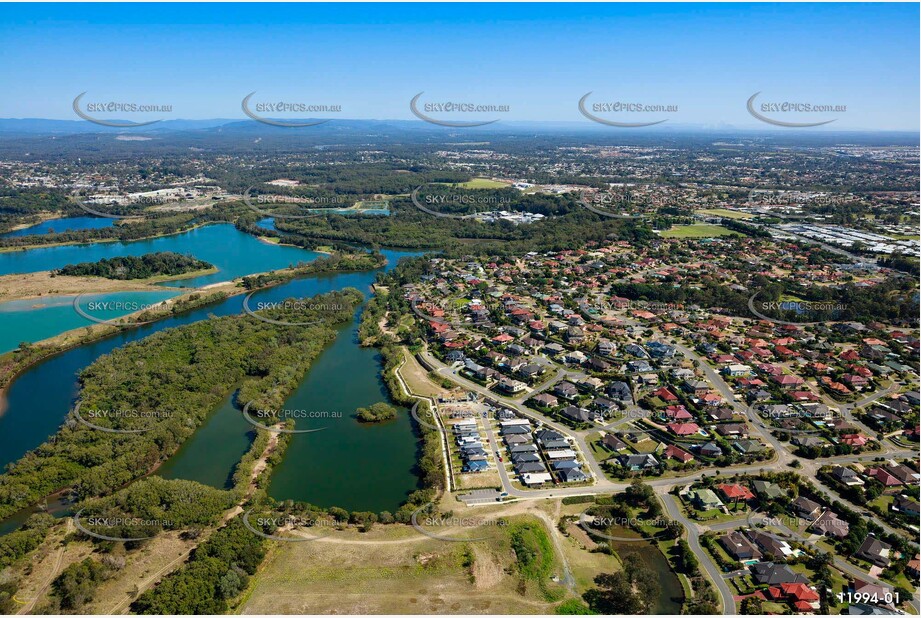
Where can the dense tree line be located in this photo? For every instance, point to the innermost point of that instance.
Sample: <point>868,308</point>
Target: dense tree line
<point>217,571</point>
<point>161,263</point>
<point>901,262</point>
<point>154,504</point>
<point>74,587</point>
<point>749,230</point>
<point>166,384</point>
<point>337,262</point>
<point>408,227</point>
<point>151,225</point>
<point>631,591</point>
<point>21,205</point>
<point>18,543</point>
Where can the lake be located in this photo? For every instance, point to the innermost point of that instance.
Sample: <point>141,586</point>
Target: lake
<point>232,252</point>
<point>671,593</point>
<point>38,401</point>
<point>66,224</point>
<point>329,467</point>
<point>35,319</point>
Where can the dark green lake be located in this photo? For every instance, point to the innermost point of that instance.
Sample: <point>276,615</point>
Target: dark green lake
<point>671,593</point>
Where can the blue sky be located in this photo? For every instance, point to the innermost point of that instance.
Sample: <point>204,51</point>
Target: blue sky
<point>538,59</point>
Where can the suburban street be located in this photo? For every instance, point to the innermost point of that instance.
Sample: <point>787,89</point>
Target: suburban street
<point>663,487</point>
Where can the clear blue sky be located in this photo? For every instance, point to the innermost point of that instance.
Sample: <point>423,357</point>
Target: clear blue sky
<point>537,58</point>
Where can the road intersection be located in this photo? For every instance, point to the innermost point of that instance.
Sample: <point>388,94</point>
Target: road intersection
<point>664,487</point>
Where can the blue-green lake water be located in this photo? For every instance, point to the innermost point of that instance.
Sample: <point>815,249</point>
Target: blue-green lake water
<point>65,224</point>
<point>325,472</point>
<point>39,318</point>
<point>234,253</point>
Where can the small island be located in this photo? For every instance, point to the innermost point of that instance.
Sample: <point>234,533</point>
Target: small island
<point>377,413</point>
<point>161,264</point>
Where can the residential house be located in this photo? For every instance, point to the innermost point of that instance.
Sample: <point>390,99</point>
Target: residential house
<point>739,547</point>
<point>613,443</point>
<point>635,463</point>
<point>673,452</point>
<point>875,551</point>
<point>846,476</point>
<point>829,524</point>
<point>903,504</point>
<point>572,475</point>
<point>545,400</point>
<point>683,429</point>
<point>711,449</point>
<point>529,467</point>
<point>771,545</point>
<point>734,492</point>
<point>704,499</point>
<point>579,415</point>
<point>798,595</point>
<point>804,507</point>
<point>774,574</point>
<point>566,390</point>
<point>767,490</point>
<point>619,391</point>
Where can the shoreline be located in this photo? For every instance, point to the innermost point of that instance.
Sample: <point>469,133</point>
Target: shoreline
<point>93,241</point>
<point>61,343</point>
<point>305,365</point>
<point>76,285</point>
<point>42,216</point>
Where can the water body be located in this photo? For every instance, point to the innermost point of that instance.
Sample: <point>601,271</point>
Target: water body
<point>363,465</point>
<point>56,507</point>
<point>211,454</point>
<point>35,319</point>
<point>671,593</point>
<point>232,252</point>
<point>38,401</point>
<point>66,224</point>
<point>267,223</point>
<point>332,467</point>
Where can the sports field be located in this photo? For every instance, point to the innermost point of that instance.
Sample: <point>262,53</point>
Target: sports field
<point>724,212</point>
<point>697,230</point>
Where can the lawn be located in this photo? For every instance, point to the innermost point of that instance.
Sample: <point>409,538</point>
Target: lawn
<point>723,212</point>
<point>697,230</point>
<point>600,452</point>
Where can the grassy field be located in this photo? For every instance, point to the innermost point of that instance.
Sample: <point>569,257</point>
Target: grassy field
<point>723,212</point>
<point>483,183</point>
<point>416,378</point>
<point>697,230</point>
<point>395,570</point>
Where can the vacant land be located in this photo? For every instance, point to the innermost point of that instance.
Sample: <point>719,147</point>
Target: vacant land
<point>724,212</point>
<point>38,284</point>
<point>483,183</point>
<point>697,230</point>
<point>417,379</point>
<point>396,570</point>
